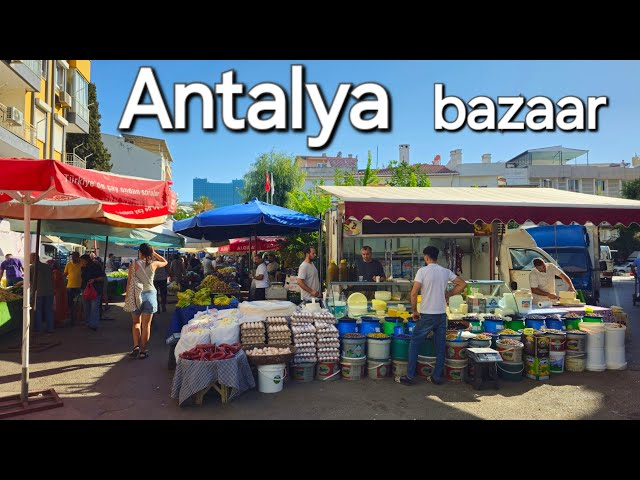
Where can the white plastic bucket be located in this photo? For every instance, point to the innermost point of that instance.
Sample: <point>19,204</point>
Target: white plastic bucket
<point>614,350</point>
<point>556,361</point>
<point>379,349</point>
<point>378,369</point>
<point>595,334</point>
<point>575,361</point>
<point>271,378</point>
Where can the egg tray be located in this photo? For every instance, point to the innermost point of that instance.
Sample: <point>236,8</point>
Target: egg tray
<point>269,359</point>
<point>273,321</point>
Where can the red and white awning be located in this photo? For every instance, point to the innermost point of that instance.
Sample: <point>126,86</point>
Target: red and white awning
<point>453,204</point>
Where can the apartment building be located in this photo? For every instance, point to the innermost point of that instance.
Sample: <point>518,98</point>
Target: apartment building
<point>138,156</point>
<point>323,168</point>
<point>40,102</point>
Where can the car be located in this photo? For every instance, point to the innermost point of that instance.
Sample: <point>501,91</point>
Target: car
<point>622,268</point>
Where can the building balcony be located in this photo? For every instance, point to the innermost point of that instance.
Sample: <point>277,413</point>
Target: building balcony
<point>24,74</point>
<point>17,137</point>
<point>78,117</point>
<point>74,160</point>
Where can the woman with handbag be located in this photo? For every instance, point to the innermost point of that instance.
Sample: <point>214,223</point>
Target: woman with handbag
<point>93,278</point>
<point>141,297</point>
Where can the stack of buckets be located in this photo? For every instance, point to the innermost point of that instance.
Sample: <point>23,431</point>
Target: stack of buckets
<point>576,351</point>
<point>512,365</point>
<point>427,357</point>
<point>595,343</point>
<point>557,351</point>
<point>354,358</point>
<point>455,363</point>
<point>536,350</point>
<point>400,354</point>
<point>378,357</point>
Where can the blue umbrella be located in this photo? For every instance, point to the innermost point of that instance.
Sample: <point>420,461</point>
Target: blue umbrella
<point>245,220</point>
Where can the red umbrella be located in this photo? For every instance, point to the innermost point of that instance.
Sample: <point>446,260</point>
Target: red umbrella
<point>48,189</point>
<point>242,244</point>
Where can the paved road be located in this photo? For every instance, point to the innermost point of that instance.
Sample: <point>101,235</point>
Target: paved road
<point>95,378</point>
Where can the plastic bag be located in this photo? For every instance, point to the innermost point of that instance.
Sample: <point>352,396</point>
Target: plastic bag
<point>173,287</point>
<point>188,340</point>
<point>89,292</point>
<point>229,333</point>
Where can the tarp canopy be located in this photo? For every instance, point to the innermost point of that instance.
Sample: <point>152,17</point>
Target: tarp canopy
<point>245,220</point>
<point>159,236</point>
<point>539,205</point>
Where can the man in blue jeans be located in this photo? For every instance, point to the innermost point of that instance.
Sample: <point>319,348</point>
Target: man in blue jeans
<point>431,281</point>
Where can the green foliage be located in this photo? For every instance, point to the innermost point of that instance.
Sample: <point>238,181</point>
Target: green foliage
<point>406,175</point>
<point>202,205</point>
<point>309,202</point>
<point>181,214</point>
<point>286,176</point>
<point>631,189</point>
<point>346,177</point>
<point>100,158</point>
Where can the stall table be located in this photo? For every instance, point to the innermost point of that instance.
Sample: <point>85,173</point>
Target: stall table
<point>607,315</point>
<point>228,377</point>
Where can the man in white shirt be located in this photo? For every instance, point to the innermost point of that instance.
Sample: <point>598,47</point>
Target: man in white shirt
<point>542,281</point>
<point>431,282</point>
<point>260,278</point>
<point>308,278</point>
<point>208,264</point>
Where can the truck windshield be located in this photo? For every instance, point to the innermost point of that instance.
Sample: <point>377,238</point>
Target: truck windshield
<point>522,258</point>
<point>573,262</point>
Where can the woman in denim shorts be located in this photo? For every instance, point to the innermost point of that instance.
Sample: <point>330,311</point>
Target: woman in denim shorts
<point>142,272</point>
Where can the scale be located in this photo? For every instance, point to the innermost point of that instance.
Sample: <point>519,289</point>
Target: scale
<point>482,369</point>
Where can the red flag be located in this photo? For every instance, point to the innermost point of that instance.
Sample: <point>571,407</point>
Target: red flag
<point>267,185</point>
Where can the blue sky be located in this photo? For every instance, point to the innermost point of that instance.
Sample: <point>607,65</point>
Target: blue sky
<point>222,155</point>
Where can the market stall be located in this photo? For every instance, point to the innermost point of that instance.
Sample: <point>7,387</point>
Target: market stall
<point>47,189</point>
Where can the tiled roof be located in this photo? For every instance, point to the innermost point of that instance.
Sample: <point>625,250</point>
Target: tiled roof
<point>336,162</point>
<point>427,168</point>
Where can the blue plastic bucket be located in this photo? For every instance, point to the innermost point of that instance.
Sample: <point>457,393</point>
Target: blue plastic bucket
<point>369,325</point>
<point>410,327</point>
<point>555,324</point>
<point>347,325</point>
<point>535,324</point>
<point>398,329</point>
<point>493,326</point>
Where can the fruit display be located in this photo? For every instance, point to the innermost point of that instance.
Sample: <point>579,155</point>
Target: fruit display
<point>214,284</point>
<point>211,352</point>
<point>118,274</point>
<point>222,300</point>
<point>189,297</point>
<point>7,296</point>
<point>227,270</point>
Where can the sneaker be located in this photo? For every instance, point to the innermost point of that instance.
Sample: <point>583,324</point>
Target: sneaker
<point>404,380</point>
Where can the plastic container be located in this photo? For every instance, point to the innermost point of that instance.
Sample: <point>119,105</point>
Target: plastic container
<point>353,347</point>
<point>455,301</point>
<point>339,308</point>
<point>555,324</point>
<point>425,366</point>
<point>533,323</point>
<point>456,350</point>
<point>614,350</point>
<point>511,372</point>
<point>328,371</point>
<point>476,327</point>
<point>378,348</point>
<point>524,300</point>
<point>347,325</point>
<point>592,319</point>
<point>576,341</point>
<point>475,343</point>
<point>271,378</point>
<point>303,372</point>
<point>557,342</point>
<point>400,347</point>
<point>515,325</point>
<point>399,367</point>
<point>537,368</point>
<point>510,353</point>
<point>536,344</point>
<point>390,323</point>
<point>493,326</point>
<point>378,369</point>
<point>595,335</point>
<point>454,370</point>
<point>353,368</point>
<point>575,361</point>
<point>572,323</point>
<point>369,325</point>
<point>428,348</point>
<point>410,326</point>
<point>556,361</point>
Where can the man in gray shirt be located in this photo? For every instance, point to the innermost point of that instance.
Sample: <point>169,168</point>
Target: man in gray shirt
<point>308,278</point>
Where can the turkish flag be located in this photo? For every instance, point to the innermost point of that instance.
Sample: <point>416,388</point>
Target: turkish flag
<point>267,185</point>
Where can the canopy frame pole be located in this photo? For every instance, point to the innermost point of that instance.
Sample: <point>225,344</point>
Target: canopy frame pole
<point>26,296</point>
<point>106,249</point>
<point>320,255</point>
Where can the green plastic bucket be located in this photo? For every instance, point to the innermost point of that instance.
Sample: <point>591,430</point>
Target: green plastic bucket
<point>572,323</point>
<point>515,325</point>
<point>511,372</point>
<point>388,326</point>
<point>428,348</point>
<point>476,327</point>
<point>400,348</point>
<point>594,319</point>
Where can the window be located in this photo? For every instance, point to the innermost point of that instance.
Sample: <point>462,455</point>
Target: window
<point>547,183</point>
<point>522,258</point>
<point>574,185</point>
<point>601,187</point>
<point>41,125</point>
<point>61,78</point>
<point>44,68</point>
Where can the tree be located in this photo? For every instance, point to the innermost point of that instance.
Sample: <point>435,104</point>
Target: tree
<point>631,189</point>
<point>405,175</point>
<point>346,177</point>
<point>91,143</point>
<point>286,176</point>
<point>202,205</point>
<point>181,214</point>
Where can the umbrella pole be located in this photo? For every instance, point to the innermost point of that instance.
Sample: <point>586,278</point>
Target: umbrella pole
<point>26,296</point>
<point>34,295</point>
<point>106,248</point>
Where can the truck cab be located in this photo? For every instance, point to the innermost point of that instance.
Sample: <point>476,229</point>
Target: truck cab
<point>517,252</point>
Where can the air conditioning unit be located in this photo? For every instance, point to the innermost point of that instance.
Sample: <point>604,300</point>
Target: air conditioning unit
<point>63,99</point>
<point>14,116</point>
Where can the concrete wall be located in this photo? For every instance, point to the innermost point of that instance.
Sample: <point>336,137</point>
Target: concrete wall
<point>129,159</point>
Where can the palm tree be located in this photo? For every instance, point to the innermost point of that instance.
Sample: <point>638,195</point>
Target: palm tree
<point>202,205</point>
